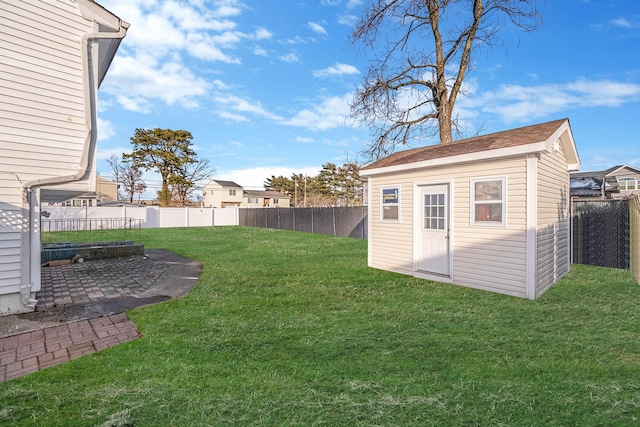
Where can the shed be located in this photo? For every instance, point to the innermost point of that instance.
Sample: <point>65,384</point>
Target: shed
<point>489,212</point>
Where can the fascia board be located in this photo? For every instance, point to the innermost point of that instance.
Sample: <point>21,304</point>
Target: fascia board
<point>568,145</point>
<point>94,12</point>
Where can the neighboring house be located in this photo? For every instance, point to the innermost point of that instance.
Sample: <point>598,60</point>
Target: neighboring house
<point>489,212</point>
<point>220,194</point>
<point>619,182</point>
<point>264,199</point>
<point>55,54</point>
<point>106,193</point>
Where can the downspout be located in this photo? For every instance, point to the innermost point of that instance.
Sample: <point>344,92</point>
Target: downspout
<point>87,152</point>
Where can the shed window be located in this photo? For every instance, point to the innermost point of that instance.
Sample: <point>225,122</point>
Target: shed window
<point>627,184</point>
<point>488,201</point>
<point>390,204</point>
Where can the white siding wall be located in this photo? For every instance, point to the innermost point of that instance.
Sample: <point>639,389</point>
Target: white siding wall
<point>484,257</point>
<point>42,130</point>
<point>553,220</point>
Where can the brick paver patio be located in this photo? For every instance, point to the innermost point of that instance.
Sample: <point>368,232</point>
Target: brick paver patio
<point>32,351</point>
<point>90,284</point>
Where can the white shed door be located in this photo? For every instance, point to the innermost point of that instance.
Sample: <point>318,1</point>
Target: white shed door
<point>433,248</point>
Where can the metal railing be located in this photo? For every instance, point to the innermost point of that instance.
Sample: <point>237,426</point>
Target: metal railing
<point>89,224</point>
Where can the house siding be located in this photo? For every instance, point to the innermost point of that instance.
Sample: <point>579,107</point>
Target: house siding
<point>42,124</point>
<point>483,257</point>
<point>42,112</point>
<point>553,252</point>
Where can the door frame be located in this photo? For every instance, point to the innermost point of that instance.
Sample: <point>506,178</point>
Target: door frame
<point>417,229</point>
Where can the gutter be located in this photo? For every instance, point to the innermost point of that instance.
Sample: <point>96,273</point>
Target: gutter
<point>85,160</point>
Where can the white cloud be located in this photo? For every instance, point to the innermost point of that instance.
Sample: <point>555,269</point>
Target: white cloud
<point>259,51</point>
<point>232,116</point>
<point>305,139</point>
<point>243,105</point>
<point>149,66</point>
<point>289,57</point>
<point>137,80</point>
<point>330,113</point>
<point>105,129</point>
<point>622,22</point>
<point>263,34</point>
<point>337,70</point>
<point>348,20</point>
<point>514,103</point>
<point>317,28</point>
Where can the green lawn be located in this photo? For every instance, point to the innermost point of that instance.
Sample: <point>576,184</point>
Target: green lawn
<point>293,329</point>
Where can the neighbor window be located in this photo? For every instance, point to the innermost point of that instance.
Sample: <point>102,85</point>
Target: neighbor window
<point>232,192</point>
<point>627,184</point>
<point>488,201</point>
<point>390,204</point>
<point>253,200</point>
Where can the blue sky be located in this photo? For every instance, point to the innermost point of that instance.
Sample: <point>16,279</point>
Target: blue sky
<point>264,86</point>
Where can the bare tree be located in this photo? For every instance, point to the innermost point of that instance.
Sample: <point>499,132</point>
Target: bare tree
<point>410,90</point>
<point>188,178</point>
<point>128,177</point>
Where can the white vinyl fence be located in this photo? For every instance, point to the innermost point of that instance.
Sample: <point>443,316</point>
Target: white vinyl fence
<point>151,216</point>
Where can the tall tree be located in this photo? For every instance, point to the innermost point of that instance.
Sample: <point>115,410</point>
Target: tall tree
<point>410,89</point>
<point>128,178</point>
<point>164,150</point>
<point>280,184</point>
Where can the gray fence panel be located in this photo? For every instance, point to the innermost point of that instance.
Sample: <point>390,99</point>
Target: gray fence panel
<point>272,218</point>
<point>601,233</point>
<point>352,222</point>
<point>287,218</point>
<point>323,221</point>
<point>261,217</point>
<point>303,219</point>
<point>342,221</point>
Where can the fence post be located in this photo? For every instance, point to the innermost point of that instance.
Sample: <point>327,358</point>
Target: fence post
<point>333,217</point>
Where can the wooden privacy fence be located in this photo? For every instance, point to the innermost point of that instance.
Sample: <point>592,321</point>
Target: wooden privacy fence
<point>634,231</point>
<point>333,221</point>
<point>600,233</point>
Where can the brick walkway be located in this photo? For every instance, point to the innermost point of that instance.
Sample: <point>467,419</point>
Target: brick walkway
<point>29,352</point>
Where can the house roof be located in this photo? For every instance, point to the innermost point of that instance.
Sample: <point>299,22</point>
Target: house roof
<point>605,173</point>
<point>227,183</point>
<point>264,193</point>
<point>522,140</point>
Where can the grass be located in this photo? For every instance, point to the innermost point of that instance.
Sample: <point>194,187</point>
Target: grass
<point>293,329</point>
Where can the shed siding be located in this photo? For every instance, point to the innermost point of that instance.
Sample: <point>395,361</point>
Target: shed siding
<point>552,260</point>
<point>484,257</point>
<point>42,110</point>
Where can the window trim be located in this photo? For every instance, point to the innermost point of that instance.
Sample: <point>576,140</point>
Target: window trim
<point>396,204</point>
<point>627,180</point>
<point>473,202</point>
